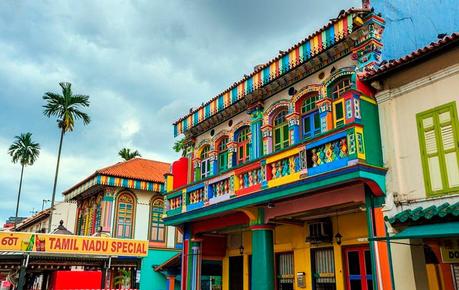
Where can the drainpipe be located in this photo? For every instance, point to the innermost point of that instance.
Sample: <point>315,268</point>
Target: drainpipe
<point>369,205</point>
<point>389,252</point>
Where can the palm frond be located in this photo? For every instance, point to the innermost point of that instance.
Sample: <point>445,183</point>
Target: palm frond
<point>66,107</point>
<point>24,150</point>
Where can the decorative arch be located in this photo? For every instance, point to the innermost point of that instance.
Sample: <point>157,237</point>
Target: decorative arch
<point>201,146</point>
<point>236,128</point>
<point>125,213</point>
<point>339,73</point>
<point>304,93</point>
<point>157,231</point>
<point>271,111</point>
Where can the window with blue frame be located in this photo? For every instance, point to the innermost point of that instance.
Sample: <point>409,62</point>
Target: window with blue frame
<point>310,118</point>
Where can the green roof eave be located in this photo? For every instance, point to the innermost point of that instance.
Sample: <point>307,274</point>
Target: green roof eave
<point>419,214</point>
<point>374,177</point>
<point>441,230</point>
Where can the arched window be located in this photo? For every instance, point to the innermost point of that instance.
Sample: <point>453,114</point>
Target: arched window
<point>125,209</point>
<point>243,144</point>
<point>310,118</point>
<point>157,227</point>
<point>340,86</point>
<point>223,154</point>
<point>280,130</point>
<point>337,89</point>
<point>205,161</point>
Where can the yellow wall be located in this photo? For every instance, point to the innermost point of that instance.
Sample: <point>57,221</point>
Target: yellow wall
<point>291,238</point>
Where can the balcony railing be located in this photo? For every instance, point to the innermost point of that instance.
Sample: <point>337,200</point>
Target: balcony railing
<point>337,149</point>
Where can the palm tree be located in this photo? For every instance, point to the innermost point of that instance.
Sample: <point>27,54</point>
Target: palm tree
<point>67,108</point>
<point>179,146</point>
<point>128,154</point>
<point>26,152</point>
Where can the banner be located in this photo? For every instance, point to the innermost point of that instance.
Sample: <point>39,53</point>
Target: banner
<point>48,243</point>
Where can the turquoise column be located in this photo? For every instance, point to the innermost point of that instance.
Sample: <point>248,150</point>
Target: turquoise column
<point>263,257</point>
<point>294,128</point>
<point>256,118</point>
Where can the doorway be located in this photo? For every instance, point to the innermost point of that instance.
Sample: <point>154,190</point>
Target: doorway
<point>236,274</point>
<point>323,265</point>
<point>358,272</point>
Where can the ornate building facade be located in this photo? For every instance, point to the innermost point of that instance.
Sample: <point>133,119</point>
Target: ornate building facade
<point>125,201</point>
<point>283,183</point>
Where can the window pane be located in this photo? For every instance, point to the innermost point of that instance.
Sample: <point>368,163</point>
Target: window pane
<point>354,263</point>
<point>339,111</point>
<point>435,173</point>
<point>356,285</point>
<point>307,127</point>
<point>452,167</point>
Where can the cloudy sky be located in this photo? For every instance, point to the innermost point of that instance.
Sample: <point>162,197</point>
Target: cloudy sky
<point>143,64</point>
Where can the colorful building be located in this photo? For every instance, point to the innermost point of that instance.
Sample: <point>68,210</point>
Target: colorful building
<point>283,183</point>
<point>125,201</point>
<point>418,98</point>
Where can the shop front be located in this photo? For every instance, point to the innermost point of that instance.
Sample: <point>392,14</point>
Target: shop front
<point>431,235</point>
<point>52,261</point>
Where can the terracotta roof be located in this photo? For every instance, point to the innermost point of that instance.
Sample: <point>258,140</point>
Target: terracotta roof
<point>279,56</point>
<point>416,55</point>
<point>138,168</point>
<point>33,219</point>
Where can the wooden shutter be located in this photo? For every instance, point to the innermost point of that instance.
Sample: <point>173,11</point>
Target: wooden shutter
<point>439,148</point>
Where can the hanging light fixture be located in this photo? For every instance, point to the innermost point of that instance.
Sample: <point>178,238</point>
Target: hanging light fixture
<point>338,236</point>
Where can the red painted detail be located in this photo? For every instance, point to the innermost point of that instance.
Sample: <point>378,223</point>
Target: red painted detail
<point>238,218</point>
<point>344,195</point>
<point>375,189</point>
<point>261,227</point>
<point>180,172</point>
<point>76,280</point>
<point>213,246</point>
<point>185,263</point>
<point>363,87</point>
<point>248,190</point>
<point>246,168</point>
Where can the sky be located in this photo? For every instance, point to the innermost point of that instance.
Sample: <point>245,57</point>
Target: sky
<point>144,64</point>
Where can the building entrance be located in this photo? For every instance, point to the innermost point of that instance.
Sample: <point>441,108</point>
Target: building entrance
<point>358,272</point>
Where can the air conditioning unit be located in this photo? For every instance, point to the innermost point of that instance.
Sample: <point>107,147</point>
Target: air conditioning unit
<point>320,232</point>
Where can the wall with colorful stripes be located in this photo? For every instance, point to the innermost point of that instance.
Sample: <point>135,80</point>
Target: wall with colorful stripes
<point>298,54</point>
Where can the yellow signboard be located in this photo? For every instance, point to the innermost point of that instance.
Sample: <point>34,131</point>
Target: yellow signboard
<point>449,255</point>
<point>48,243</point>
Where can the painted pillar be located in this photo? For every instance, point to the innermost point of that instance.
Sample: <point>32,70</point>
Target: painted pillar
<point>171,282</point>
<point>232,151</point>
<point>107,210</point>
<point>191,261</point>
<point>263,254</point>
<point>196,169</point>
<point>381,268</point>
<point>256,120</point>
<point>325,113</point>
<point>213,163</point>
<point>267,133</point>
<point>293,120</point>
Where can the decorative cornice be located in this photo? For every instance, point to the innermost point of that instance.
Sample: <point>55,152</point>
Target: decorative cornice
<point>389,94</point>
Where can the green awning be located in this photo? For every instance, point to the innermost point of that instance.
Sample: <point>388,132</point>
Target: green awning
<point>441,230</point>
<point>420,214</point>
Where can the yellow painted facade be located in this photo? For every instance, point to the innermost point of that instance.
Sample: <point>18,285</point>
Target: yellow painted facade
<point>291,238</point>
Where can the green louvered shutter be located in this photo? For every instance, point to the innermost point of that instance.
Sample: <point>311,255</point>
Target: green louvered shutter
<point>438,134</point>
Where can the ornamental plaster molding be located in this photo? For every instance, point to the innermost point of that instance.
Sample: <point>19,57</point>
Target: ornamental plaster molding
<point>389,94</point>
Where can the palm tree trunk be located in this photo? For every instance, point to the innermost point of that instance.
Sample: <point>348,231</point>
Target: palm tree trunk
<point>55,181</point>
<point>19,197</point>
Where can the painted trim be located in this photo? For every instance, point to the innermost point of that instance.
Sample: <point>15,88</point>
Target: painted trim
<point>389,94</point>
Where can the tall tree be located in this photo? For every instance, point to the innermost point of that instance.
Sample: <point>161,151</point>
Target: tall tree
<point>26,152</point>
<point>128,154</point>
<point>179,146</point>
<point>66,108</point>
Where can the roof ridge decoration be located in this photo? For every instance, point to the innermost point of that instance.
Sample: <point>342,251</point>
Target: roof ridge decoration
<point>336,30</point>
<point>412,56</point>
